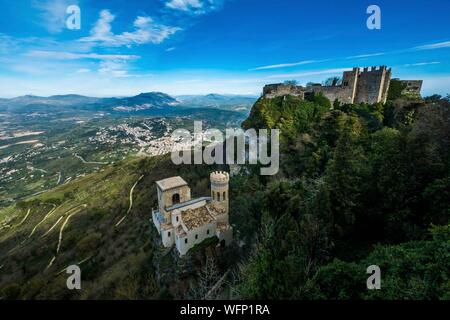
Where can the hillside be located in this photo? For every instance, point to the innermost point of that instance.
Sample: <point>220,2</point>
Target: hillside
<point>358,185</point>
<point>80,218</point>
<point>218,101</point>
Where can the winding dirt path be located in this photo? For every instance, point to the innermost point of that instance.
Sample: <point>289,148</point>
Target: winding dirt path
<point>131,201</point>
<point>58,247</point>
<point>45,218</point>
<point>89,162</point>
<point>5,226</point>
<point>78,264</point>
<point>53,227</point>
<point>23,220</point>
<point>60,218</point>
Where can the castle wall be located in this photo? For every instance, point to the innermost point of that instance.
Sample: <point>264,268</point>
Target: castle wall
<point>343,94</point>
<point>168,237</point>
<point>373,85</point>
<point>358,86</point>
<point>225,235</point>
<point>201,232</point>
<point>280,89</point>
<point>412,86</point>
<point>165,198</point>
<point>349,84</point>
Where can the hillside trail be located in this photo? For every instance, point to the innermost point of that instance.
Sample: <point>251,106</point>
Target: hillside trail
<point>89,162</point>
<point>60,218</point>
<point>48,214</point>
<point>45,218</point>
<point>78,264</point>
<point>23,220</point>
<point>131,201</point>
<point>58,247</point>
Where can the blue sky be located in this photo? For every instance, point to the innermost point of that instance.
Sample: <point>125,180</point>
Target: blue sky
<point>221,46</point>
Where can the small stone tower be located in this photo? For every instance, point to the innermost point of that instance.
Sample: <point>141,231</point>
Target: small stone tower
<point>219,189</point>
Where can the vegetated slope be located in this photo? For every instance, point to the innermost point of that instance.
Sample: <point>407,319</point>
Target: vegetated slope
<point>218,101</point>
<point>352,177</point>
<point>358,185</point>
<point>77,223</point>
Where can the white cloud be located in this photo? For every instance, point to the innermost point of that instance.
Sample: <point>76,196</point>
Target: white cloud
<point>197,7</point>
<point>83,70</point>
<point>184,5</point>
<point>308,73</point>
<point>437,45</point>
<point>146,31</point>
<point>421,64</point>
<point>53,13</point>
<point>367,55</point>
<point>283,65</point>
<point>74,56</point>
<point>113,69</point>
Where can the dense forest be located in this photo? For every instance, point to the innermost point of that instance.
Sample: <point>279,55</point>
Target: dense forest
<point>359,185</point>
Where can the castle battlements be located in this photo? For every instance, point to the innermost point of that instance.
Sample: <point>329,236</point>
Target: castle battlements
<point>366,85</point>
<point>219,177</point>
<point>184,222</point>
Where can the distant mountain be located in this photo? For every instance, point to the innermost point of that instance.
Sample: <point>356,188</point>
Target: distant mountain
<point>60,100</point>
<point>72,102</point>
<point>143,101</point>
<point>235,102</point>
<point>149,102</point>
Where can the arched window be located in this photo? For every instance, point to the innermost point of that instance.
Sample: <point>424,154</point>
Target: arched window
<point>176,199</point>
<point>218,196</point>
<point>214,195</point>
<point>224,196</point>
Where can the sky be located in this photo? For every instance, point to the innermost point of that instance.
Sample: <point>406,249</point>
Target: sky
<point>123,48</point>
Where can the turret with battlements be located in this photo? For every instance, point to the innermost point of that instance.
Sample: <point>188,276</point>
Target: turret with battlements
<point>219,189</point>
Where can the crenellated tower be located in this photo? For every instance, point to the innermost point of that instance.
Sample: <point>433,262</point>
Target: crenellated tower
<point>219,189</point>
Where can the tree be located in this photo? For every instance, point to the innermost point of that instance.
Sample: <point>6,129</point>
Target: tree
<point>332,82</point>
<point>291,82</point>
<point>345,175</point>
<point>396,88</point>
<point>208,277</point>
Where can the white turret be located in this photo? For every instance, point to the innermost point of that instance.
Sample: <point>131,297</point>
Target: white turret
<point>219,189</point>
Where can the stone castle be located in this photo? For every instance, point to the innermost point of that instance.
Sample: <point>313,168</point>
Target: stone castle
<point>184,222</point>
<point>357,86</point>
